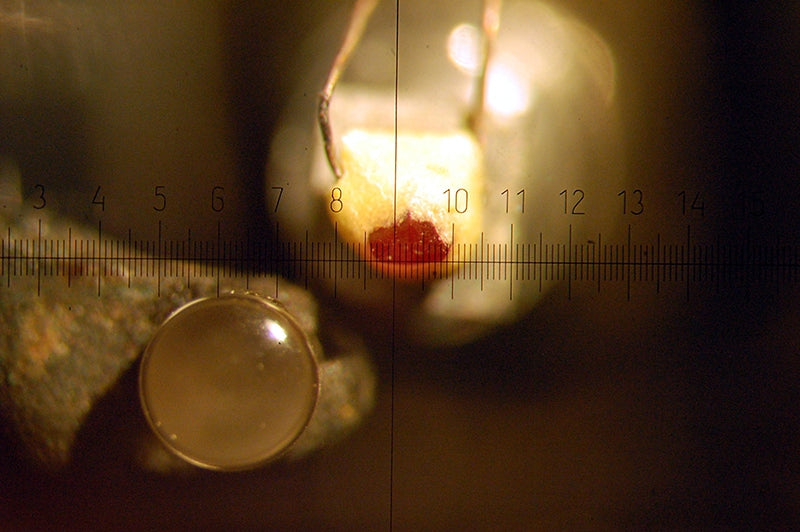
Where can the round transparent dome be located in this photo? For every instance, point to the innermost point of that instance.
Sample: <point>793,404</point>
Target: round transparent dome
<point>229,382</point>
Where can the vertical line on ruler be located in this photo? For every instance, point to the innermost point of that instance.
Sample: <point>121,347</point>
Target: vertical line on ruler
<point>157,258</point>
<point>560,266</point>
<point>513,262</point>
<point>4,266</point>
<point>314,264</point>
<point>96,270</point>
<point>192,267</point>
<point>596,260</point>
<point>491,260</point>
<point>16,258</point>
<point>646,257</point>
<point>363,258</point>
<point>482,259</point>
<point>69,255</point>
<point>130,256</point>
<point>39,260</point>
<point>529,259</point>
<point>104,252</point>
<point>601,257</point>
<point>146,257</point>
<point>627,258</point>
<point>3,256</point>
<point>106,263</point>
<point>583,260</point>
<point>457,259</point>
<point>640,262</point>
<point>306,258</point>
<point>335,258</point>
<point>217,255</point>
<point>586,270</point>
<point>223,260</point>
<point>658,263</point>
<point>235,257</point>
<point>471,266</point>
<point>293,249</point>
<point>47,257</point>
<point>546,262</point>
<point>9,259</point>
<point>94,258</point>
<point>205,250</point>
<point>327,266</point>
<point>556,262</point>
<point>688,257</point>
<point>346,273</point>
<point>569,263</point>
<point>541,245</point>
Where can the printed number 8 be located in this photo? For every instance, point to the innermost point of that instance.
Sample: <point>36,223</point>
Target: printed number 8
<point>336,200</point>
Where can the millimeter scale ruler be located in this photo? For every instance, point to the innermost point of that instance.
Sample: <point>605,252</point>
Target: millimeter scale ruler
<point>631,261</point>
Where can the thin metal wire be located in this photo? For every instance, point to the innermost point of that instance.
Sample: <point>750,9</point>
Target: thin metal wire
<point>362,11</point>
<point>490,25</point>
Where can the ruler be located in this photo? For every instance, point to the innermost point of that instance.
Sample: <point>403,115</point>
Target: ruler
<point>633,261</point>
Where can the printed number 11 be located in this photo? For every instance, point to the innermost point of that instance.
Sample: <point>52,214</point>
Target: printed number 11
<point>521,195</point>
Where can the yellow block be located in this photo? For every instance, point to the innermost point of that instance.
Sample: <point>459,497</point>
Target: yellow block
<point>435,186</point>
